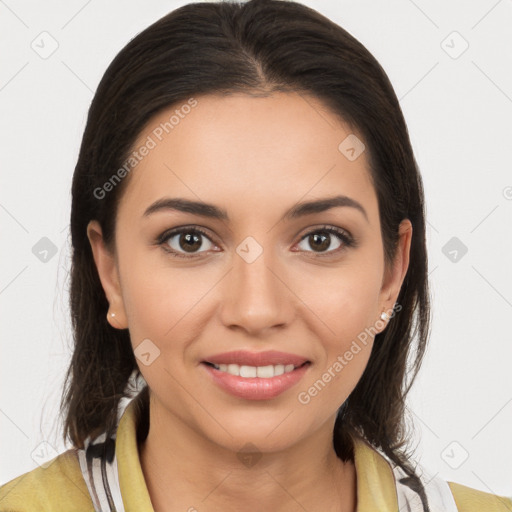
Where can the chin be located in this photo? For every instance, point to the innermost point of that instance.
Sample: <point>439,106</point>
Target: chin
<point>265,436</point>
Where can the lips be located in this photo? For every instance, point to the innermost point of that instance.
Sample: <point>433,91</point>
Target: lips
<point>246,358</point>
<point>255,388</point>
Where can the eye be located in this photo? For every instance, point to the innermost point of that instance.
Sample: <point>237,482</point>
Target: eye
<point>185,242</point>
<point>321,240</point>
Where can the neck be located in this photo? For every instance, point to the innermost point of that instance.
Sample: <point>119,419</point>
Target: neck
<point>187,471</point>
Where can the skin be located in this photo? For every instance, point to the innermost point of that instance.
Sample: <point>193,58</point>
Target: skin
<point>242,154</point>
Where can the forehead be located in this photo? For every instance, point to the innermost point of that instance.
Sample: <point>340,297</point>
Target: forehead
<point>270,151</point>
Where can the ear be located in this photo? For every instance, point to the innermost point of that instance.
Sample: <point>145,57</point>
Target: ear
<point>106,265</point>
<point>394,275</point>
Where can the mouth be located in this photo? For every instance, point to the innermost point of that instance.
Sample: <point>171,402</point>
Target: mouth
<point>255,382</point>
<point>250,372</point>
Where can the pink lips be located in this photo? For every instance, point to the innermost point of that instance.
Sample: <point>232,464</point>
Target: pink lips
<point>243,357</point>
<point>256,388</point>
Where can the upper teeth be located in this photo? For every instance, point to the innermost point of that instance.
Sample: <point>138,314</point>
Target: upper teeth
<point>265,372</point>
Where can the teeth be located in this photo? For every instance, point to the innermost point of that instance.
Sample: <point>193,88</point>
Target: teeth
<point>264,372</point>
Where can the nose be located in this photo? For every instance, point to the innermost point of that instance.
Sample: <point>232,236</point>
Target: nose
<point>256,297</point>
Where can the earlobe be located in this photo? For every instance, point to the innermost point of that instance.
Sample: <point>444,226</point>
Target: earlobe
<point>109,276</point>
<point>396,274</point>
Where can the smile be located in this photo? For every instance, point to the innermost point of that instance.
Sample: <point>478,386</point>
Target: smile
<point>255,382</point>
<point>263,372</point>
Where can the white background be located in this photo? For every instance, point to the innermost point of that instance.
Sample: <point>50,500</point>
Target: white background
<point>458,112</point>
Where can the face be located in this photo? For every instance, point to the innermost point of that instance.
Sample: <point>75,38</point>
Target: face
<point>269,275</point>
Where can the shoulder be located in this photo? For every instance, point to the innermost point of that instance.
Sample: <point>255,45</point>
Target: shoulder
<point>472,500</point>
<point>48,487</point>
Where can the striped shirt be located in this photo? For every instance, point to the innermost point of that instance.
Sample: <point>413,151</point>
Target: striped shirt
<point>107,476</point>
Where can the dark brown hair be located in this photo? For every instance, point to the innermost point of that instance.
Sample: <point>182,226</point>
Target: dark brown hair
<point>256,48</point>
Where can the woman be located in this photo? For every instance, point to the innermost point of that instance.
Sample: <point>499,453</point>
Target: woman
<point>223,145</point>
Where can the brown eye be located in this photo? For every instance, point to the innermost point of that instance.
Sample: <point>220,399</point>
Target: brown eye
<point>321,240</point>
<point>183,241</point>
<point>190,242</point>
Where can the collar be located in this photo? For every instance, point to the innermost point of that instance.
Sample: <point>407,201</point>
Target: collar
<point>375,480</point>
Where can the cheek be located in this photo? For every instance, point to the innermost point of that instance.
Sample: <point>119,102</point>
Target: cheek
<point>346,302</point>
<point>162,302</point>
<point>348,311</point>
<point>345,307</point>
<point>163,306</point>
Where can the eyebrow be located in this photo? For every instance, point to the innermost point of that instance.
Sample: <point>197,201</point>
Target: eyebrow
<point>214,212</point>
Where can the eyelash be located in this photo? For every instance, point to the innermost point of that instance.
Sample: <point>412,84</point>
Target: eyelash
<point>347,240</point>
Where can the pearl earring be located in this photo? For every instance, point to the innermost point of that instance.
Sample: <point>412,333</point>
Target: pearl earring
<point>384,316</point>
